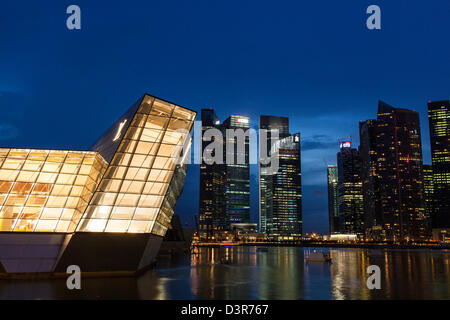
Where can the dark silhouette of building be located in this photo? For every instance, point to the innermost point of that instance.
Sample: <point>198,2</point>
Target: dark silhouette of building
<point>212,178</point>
<point>350,200</point>
<point>399,157</point>
<point>439,120</point>
<point>333,195</point>
<point>373,222</point>
<point>175,230</point>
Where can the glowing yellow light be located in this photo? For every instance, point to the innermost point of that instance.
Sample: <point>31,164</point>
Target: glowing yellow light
<point>119,130</point>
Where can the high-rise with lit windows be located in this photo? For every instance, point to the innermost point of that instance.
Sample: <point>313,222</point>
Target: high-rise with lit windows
<point>237,176</point>
<point>350,196</point>
<point>224,186</point>
<point>287,189</point>
<point>399,158</point>
<point>280,187</point>
<point>271,128</point>
<point>439,120</point>
<point>91,208</point>
<point>428,194</point>
<point>333,207</point>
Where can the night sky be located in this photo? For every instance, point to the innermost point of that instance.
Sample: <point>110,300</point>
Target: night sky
<point>313,61</point>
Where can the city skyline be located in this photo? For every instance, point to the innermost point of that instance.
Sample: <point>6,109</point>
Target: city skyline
<point>316,64</point>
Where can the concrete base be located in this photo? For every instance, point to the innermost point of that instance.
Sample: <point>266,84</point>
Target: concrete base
<point>26,252</point>
<point>48,254</point>
<point>109,252</point>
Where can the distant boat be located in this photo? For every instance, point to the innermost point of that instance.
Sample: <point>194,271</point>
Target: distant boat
<point>318,257</point>
<point>262,249</point>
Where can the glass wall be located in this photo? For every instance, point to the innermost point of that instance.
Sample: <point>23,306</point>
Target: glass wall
<point>131,194</point>
<point>46,190</point>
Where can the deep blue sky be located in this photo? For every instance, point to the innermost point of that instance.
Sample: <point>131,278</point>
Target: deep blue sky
<point>313,61</point>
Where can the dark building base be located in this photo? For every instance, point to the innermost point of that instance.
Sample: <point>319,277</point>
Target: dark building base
<point>30,252</point>
<point>109,252</point>
<point>96,254</point>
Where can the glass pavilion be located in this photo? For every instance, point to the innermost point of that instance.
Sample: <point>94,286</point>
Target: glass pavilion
<point>128,183</point>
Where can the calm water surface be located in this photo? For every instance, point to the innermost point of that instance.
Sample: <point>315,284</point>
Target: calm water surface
<point>280,273</point>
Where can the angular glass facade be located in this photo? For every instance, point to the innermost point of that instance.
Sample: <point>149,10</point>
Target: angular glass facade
<point>74,206</point>
<point>50,190</point>
<point>131,193</point>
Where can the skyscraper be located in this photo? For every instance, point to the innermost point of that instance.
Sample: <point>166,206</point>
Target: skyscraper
<point>225,187</point>
<point>428,187</point>
<point>439,120</point>
<point>275,128</point>
<point>350,196</point>
<point>367,150</point>
<point>237,173</point>
<point>287,189</point>
<point>399,157</point>
<point>212,178</point>
<point>333,207</point>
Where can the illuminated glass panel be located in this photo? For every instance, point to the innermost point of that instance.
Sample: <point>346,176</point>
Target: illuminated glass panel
<point>46,190</point>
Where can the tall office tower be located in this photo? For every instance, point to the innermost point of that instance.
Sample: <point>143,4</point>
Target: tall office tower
<point>237,177</point>
<point>439,119</point>
<point>399,157</point>
<point>275,128</point>
<point>333,207</point>
<point>212,178</point>
<point>428,187</point>
<point>287,188</point>
<point>224,187</point>
<point>367,150</point>
<point>351,211</point>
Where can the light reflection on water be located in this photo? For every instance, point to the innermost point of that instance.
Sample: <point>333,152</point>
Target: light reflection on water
<point>279,273</point>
